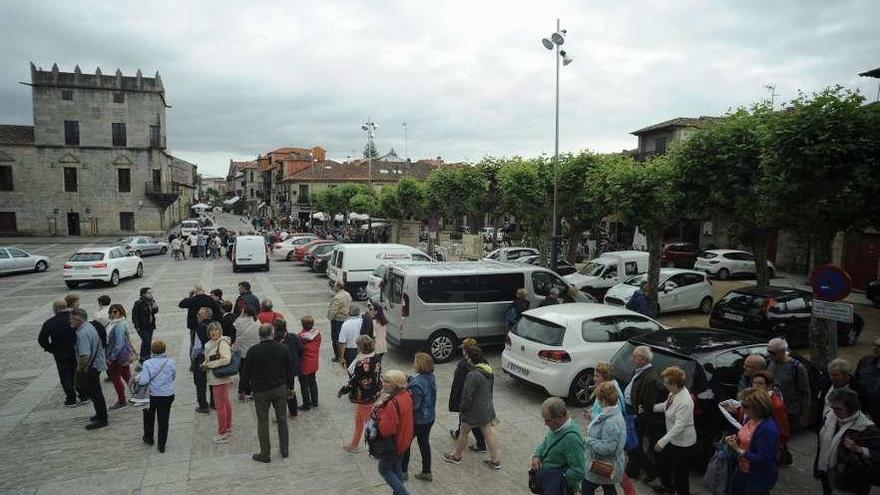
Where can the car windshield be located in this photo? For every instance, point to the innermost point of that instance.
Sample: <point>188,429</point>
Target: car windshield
<point>541,331</point>
<point>708,255</point>
<point>749,303</point>
<point>87,257</point>
<point>593,269</point>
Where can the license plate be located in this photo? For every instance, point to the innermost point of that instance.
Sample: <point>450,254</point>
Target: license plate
<point>81,268</point>
<point>733,317</point>
<point>519,370</point>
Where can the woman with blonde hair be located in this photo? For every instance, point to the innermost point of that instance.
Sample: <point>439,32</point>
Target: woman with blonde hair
<point>423,388</point>
<point>363,387</point>
<point>604,442</point>
<point>393,418</point>
<point>604,373</point>
<point>218,352</point>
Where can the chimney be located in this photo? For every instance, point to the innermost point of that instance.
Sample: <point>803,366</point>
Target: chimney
<point>159,82</point>
<point>98,77</point>
<point>33,72</point>
<point>118,81</point>
<point>140,79</point>
<point>55,73</point>
<point>76,73</point>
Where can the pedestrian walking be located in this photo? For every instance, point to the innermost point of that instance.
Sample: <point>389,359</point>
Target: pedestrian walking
<point>838,377</point>
<point>849,447</point>
<point>227,321</point>
<point>423,390</point>
<point>337,312</point>
<point>201,242</point>
<point>311,357</point>
<point>392,417</point>
<point>270,369</point>
<point>763,380</point>
<point>605,440</point>
<point>793,381</point>
<point>604,373</point>
<point>641,393</point>
<point>640,302</point>
<point>246,299</point>
<point>477,409</point>
<point>218,352</point>
<point>193,246</point>
<point>120,353</point>
<point>866,381</point>
<point>363,387</point>
<point>380,328</point>
<point>91,361</point>
<point>158,374</point>
<point>756,445</point>
<point>562,449</point>
<point>175,248</point>
<point>458,378</point>
<point>59,339</point>
<point>247,335</point>
<point>348,335</point>
<point>673,448</point>
<point>143,316</point>
<point>294,347</point>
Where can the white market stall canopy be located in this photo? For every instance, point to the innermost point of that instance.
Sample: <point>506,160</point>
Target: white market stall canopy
<point>358,216</point>
<point>200,206</point>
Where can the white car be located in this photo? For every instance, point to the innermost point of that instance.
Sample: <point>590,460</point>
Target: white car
<point>557,347</point>
<point>284,250</point>
<point>725,263</point>
<point>15,260</point>
<point>679,290</point>
<point>102,264</point>
<point>510,253</point>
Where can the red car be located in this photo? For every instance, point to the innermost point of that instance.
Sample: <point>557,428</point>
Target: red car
<point>300,251</point>
<point>679,255</point>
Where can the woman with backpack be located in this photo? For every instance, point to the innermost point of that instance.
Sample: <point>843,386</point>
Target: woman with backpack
<point>119,354</point>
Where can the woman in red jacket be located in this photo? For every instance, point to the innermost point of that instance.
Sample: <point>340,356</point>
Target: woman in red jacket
<point>311,344</point>
<point>393,414</point>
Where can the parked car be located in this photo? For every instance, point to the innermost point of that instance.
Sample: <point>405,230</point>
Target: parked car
<point>562,267</point>
<point>557,347</point>
<point>250,251</point>
<point>872,292</point>
<point>319,249</point>
<point>142,245</point>
<point>284,250</point>
<point>679,255</point>
<point>679,290</point>
<point>608,270</point>
<point>352,264</point>
<point>726,263</point>
<point>713,361</point>
<point>14,260</point>
<point>101,264</point>
<point>768,312</point>
<point>322,259</point>
<point>299,250</point>
<point>510,254</point>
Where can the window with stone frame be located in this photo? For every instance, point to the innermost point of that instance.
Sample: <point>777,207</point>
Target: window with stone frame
<point>126,221</point>
<point>67,94</point>
<point>71,132</point>
<point>155,136</point>
<point>118,97</point>
<point>124,179</point>
<point>70,179</point>
<point>119,134</point>
<point>6,178</point>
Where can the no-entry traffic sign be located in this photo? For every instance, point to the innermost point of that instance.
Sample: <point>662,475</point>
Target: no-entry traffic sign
<point>830,283</point>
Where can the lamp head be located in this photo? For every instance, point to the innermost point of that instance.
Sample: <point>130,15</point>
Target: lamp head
<point>558,38</point>
<point>547,43</point>
<point>565,58</point>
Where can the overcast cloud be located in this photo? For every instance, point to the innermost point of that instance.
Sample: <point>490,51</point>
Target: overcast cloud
<point>469,77</point>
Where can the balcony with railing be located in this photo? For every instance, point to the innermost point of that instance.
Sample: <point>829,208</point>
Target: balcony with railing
<point>163,195</point>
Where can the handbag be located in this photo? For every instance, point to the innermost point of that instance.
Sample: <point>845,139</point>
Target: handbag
<point>604,469</point>
<point>632,435</point>
<point>549,481</point>
<point>229,369</point>
<point>382,447</point>
<point>141,392</point>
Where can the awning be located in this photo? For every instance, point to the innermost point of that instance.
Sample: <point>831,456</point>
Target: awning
<point>231,201</point>
<point>358,216</point>
<point>200,206</point>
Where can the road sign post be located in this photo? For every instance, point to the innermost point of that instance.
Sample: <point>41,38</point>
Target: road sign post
<point>830,284</point>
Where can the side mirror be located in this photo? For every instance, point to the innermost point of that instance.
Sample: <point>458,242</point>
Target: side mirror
<point>709,367</point>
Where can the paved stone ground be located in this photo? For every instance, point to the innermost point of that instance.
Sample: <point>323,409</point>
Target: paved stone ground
<point>45,449</point>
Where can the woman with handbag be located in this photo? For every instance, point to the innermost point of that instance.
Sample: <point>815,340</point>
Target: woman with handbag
<point>604,373</point>
<point>363,387</point>
<point>756,446</point>
<point>604,443</point>
<point>119,354</point>
<point>158,374</point>
<point>393,418</point>
<point>673,448</point>
<point>218,352</point>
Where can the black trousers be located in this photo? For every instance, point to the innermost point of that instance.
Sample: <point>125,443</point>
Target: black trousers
<point>200,379</point>
<point>244,381</point>
<point>91,386</point>
<point>159,411</point>
<point>293,406</point>
<point>643,456</point>
<point>422,434</point>
<point>146,335</point>
<point>308,387</point>
<point>335,328</point>
<point>672,464</point>
<point>350,355</point>
<point>276,398</point>
<point>67,376</point>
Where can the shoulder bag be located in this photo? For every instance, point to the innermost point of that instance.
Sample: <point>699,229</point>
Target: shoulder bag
<point>549,481</point>
<point>383,447</point>
<point>228,369</point>
<point>141,392</point>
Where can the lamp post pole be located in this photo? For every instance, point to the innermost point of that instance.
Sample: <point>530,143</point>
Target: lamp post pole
<point>554,241</point>
<point>370,128</point>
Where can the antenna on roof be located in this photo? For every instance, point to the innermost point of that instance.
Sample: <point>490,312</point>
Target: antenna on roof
<point>771,88</point>
<point>405,141</point>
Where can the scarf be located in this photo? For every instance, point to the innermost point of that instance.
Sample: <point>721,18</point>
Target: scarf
<point>829,440</point>
<point>357,360</point>
<point>310,335</point>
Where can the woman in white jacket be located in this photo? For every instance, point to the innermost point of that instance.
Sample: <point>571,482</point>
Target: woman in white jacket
<point>247,334</point>
<point>673,448</point>
<point>218,352</point>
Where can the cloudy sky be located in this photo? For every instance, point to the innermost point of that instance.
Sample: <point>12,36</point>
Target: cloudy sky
<point>470,78</point>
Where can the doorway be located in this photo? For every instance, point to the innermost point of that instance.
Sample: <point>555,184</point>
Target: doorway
<point>73,224</point>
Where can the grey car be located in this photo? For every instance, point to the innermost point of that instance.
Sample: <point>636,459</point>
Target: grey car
<point>142,245</point>
<point>13,260</point>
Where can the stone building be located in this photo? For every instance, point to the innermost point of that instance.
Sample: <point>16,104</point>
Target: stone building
<point>93,163</point>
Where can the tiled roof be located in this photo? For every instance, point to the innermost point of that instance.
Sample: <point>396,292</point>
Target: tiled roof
<point>330,171</point>
<point>282,151</point>
<point>677,122</point>
<point>16,134</point>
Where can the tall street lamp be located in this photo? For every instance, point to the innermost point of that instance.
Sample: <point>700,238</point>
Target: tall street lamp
<point>554,42</point>
<point>370,128</point>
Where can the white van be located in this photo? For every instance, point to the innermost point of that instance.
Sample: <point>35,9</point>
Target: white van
<point>608,270</point>
<point>352,264</point>
<point>250,251</point>
<point>434,306</point>
<point>189,227</point>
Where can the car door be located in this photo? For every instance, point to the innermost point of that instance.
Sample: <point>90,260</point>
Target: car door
<point>127,264</point>
<point>690,292</point>
<point>670,292</point>
<point>142,244</point>
<point>5,261</point>
<point>20,259</point>
<point>494,295</point>
<point>748,264</point>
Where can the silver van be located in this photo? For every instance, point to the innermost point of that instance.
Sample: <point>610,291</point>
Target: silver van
<point>433,306</point>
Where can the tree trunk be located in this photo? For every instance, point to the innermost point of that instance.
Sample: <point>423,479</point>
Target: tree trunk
<point>759,240</point>
<point>822,249</point>
<point>654,238</point>
<point>574,235</point>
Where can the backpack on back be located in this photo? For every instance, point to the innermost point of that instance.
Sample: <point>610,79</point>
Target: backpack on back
<point>102,332</point>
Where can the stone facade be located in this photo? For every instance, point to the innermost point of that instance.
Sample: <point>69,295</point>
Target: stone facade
<point>79,179</point>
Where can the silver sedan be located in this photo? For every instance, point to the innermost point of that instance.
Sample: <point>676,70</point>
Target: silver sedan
<point>15,260</point>
<point>142,245</point>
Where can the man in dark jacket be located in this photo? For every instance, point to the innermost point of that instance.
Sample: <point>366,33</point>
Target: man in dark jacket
<point>143,316</point>
<point>197,300</point>
<point>245,298</point>
<point>458,378</point>
<point>641,393</point>
<point>59,338</point>
<point>866,382</point>
<point>269,367</point>
<point>640,301</point>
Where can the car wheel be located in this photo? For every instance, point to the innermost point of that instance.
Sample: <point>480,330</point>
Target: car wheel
<point>72,285</point>
<point>360,292</point>
<point>723,274</point>
<point>581,389</point>
<point>706,305</point>
<point>114,278</point>
<point>289,256</point>
<point>140,271</point>
<point>138,253</point>
<point>164,250</point>
<point>41,266</point>
<point>441,346</point>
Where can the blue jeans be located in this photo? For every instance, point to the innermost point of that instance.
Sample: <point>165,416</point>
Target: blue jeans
<point>391,471</point>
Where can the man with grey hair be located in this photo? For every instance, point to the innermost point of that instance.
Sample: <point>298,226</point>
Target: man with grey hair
<point>197,300</point>
<point>641,393</point>
<point>793,381</point>
<point>269,367</point>
<point>562,446</point>
<point>348,334</point>
<point>551,299</point>
<point>91,361</point>
<point>337,312</point>
<point>58,338</point>
<point>839,375</point>
<point>267,314</point>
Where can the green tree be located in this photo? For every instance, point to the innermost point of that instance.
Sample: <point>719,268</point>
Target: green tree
<point>579,210</point>
<point>370,150</point>
<point>406,200</point>
<point>524,187</point>
<point>452,192</point>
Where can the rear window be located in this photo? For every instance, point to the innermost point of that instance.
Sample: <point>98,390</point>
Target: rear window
<point>541,331</point>
<point>748,303</point>
<point>87,257</point>
<point>707,255</point>
<point>323,249</point>
<point>392,291</point>
<point>450,289</point>
<point>379,271</point>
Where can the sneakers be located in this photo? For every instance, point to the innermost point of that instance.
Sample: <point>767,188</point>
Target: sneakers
<point>70,403</point>
<point>203,410</point>
<point>350,449</point>
<point>424,476</point>
<point>148,441</point>
<point>83,401</point>
<point>492,464</point>
<point>448,457</point>
<point>118,406</point>
<point>222,438</point>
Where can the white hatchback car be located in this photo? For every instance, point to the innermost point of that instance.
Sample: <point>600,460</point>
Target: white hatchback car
<point>284,250</point>
<point>102,264</point>
<point>725,263</point>
<point>510,253</point>
<point>680,290</point>
<point>557,347</point>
